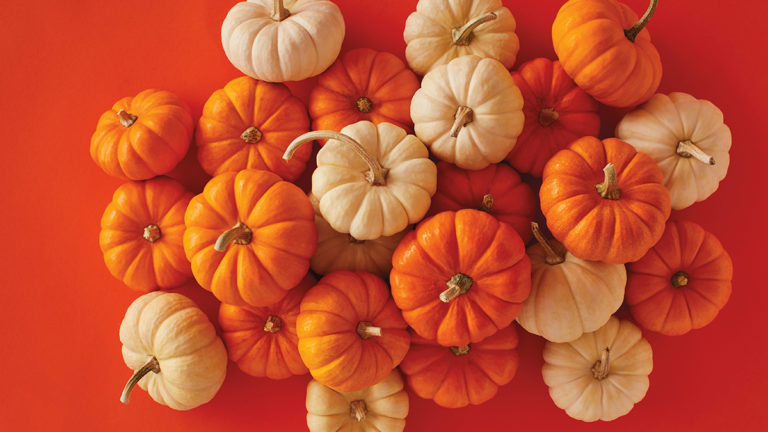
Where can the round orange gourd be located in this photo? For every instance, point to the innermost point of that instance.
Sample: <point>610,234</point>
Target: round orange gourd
<point>351,334</point>
<point>249,237</point>
<point>682,282</point>
<point>604,47</point>
<point>143,136</point>
<point>604,201</point>
<point>249,124</point>
<point>457,376</point>
<point>460,277</point>
<point>141,234</point>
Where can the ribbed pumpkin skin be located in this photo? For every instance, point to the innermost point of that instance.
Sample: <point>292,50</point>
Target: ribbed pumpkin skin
<point>657,304</point>
<point>329,343</point>
<point>589,40</point>
<point>244,103</point>
<point>545,88</point>
<point>454,381</point>
<point>142,258</point>
<point>151,146</point>
<point>281,219</point>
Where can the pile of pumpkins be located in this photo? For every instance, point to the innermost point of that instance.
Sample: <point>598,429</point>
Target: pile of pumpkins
<point>437,300</point>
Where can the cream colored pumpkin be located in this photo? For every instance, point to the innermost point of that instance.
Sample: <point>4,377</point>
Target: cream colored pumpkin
<point>173,349</point>
<point>569,296</point>
<point>601,375</point>
<point>379,187</point>
<point>276,40</point>
<point>381,407</point>
<point>687,138</point>
<point>469,112</point>
<point>441,30</point>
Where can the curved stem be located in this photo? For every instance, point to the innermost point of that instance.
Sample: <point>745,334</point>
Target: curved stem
<point>377,174</point>
<point>358,410</point>
<point>553,258</point>
<point>152,233</point>
<point>364,105</point>
<point>239,234</point>
<point>252,135</point>
<point>680,279</point>
<point>601,367</point>
<point>547,116</point>
<point>279,12</point>
<point>366,329</point>
<point>463,117</point>
<point>457,285</point>
<point>273,324</point>
<point>487,204</point>
<point>688,149</point>
<point>463,35</point>
<point>127,119</point>
<point>632,33</point>
<point>460,350</point>
<point>609,189</point>
<point>151,366</point>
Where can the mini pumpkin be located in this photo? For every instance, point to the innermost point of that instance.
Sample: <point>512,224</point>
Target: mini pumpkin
<point>249,124</point>
<point>143,136</point>
<point>173,349</point>
<point>682,282</point>
<point>469,112</point>
<point>249,237</point>
<point>351,334</point>
<point>687,138</point>
<point>604,201</point>
<point>601,375</point>
<point>276,40</point>
<point>441,30</point>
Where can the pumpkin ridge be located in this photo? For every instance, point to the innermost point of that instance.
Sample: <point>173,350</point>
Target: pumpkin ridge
<point>145,125</point>
<point>169,260</point>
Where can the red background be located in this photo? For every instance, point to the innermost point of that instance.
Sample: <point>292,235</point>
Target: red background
<point>64,63</point>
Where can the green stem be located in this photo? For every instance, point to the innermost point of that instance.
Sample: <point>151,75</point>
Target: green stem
<point>632,33</point>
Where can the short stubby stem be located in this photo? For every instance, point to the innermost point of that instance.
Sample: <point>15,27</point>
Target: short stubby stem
<point>152,233</point>
<point>273,324</point>
<point>547,116</point>
<point>358,410</point>
<point>609,189</point>
<point>688,149</point>
<point>126,119</point>
<point>601,367</point>
<point>463,35</point>
<point>366,329</point>
<point>364,105</point>
<point>632,33</point>
<point>458,284</point>
<point>239,234</point>
<point>252,135</point>
<point>463,117</point>
<point>279,12</point>
<point>487,204</point>
<point>151,366</point>
<point>460,350</point>
<point>680,279</point>
<point>553,257</point>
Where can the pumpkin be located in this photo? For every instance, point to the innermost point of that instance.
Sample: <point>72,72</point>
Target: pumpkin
<point>557,112</point>
<point>377,189</point>
<point>460,277</point>
<point>143,136</point>
<point>569,296</point>
<point>469,112</point>
<point>496,189</point>
<point>141,234</point>
<point>687,138</point>
<point>457,376</point>
<point>363,85</point>
<point>173,350</point>
<point>682,282</point>
<point>351,334</point>
<point>601,375</point>
<point>249,237</point>
<point>441,30</point>
<point>381,407</point>
<point>608,52</point>
<point>604,201</point>
<point>249,124</point>
<point>262,340</point>
<point>276,40</point>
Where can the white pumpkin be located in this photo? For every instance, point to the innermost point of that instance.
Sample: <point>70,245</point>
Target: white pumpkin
<point>441,30</point>
<point>601,375</point>
<point>381,407</point>
<point>381,186</point>
<point>173,349</point>
<point>687,138</point>
<point>470,112</point>
<point>277,41</point>
<point>569,296</point>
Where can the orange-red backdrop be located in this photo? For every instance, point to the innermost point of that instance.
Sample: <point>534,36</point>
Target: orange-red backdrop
<point>64,63</point>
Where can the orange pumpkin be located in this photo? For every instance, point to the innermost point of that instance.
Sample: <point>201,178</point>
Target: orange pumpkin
<point>249,237</point>
<point>141,234</point>
<point>351,334</point>
<point>457,376</point>
<point>460,277</point>
<point>682,282</point>
<point>605,48</point>
<point>262,340</point>
<point>249,124</point>
<point>496,189</point>
<point>604,201</point>
<point>143,136</point>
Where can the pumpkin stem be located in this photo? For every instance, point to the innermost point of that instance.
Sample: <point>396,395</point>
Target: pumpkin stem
<point>680,279</point>
<point>127,119</point>
<point>354,240</point>
<point>364,105</point>
<point>632,33</point>
<point>463,35</point>
<point>688,149</point>
<point>609,187</point>
<point>239,234</point>
<point>547,116</point>
<point>601,367</point>
<point>377,174</point>
<point>279,12</point>
<point>457,285</point>
<point>151,366</point>
<point>487,204</point>
<point>463,117</point>
<point>151,233</point>
<point>252,135</point>
<point>366,329</point>
<point>358,410</point>
<point>460,350</point>
<point>273,324</point>
<point>553,258</point>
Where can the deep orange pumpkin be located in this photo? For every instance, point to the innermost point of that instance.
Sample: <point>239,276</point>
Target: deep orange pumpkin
<point>682,282</point>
